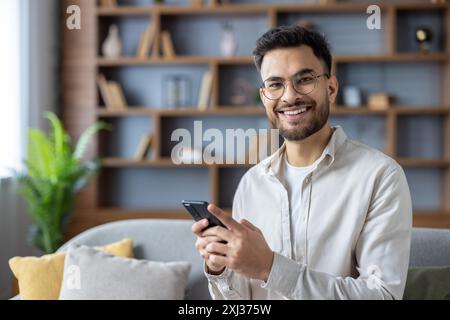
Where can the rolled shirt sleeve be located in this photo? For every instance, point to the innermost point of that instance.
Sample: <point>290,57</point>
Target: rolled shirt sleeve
<point>228,285</point>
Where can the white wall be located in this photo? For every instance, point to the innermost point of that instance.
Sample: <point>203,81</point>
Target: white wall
<point>39,41</point>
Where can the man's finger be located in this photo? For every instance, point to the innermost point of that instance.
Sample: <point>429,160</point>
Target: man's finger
<point>204,241</point>
<point>226,219</point>
<point>218,259</point>
<point>217,248</point>
<point>249,225</point>
<point>199,226</point>
<point>222,233</point>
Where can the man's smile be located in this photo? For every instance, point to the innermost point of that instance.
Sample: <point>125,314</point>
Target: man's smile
<point>294,113</point>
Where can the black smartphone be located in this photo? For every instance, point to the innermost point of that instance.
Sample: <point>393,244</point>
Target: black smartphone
<point>199,211</point>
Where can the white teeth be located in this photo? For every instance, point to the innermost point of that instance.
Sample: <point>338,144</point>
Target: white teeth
<point>294,112</point>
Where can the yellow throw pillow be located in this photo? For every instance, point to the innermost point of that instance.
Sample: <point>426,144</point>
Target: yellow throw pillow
<point>40,278</point>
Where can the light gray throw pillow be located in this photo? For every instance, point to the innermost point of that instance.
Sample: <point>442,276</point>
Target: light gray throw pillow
<point>90,274</point>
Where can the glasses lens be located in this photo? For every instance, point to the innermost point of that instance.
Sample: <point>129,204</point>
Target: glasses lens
<point>273,89</point>
<point>304,83</point>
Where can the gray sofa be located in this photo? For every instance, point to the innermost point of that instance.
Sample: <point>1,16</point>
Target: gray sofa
<point>172,240</point>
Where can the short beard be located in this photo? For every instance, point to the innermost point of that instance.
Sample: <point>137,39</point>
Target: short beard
<point>317,123</point>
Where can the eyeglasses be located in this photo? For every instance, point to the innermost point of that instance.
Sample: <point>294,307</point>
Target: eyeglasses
<point>302,84</point>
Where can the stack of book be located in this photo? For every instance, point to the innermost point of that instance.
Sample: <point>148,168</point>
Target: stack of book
<point>147,42</point>
<point>112,93</point>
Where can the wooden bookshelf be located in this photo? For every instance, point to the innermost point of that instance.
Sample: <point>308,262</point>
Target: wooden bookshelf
<point>82,63</point>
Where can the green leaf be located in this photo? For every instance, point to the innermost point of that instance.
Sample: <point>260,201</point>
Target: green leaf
<point>58,132</point>
<point>40,153</point>
<point>83,142</point>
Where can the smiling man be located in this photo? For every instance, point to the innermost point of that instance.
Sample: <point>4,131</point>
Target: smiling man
<point>325,217</point>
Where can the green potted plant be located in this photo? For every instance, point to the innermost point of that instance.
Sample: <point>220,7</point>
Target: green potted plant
<point>55,172</point>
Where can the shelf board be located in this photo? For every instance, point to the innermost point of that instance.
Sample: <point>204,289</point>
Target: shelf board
<point>188,111</point>
<point>130,111</point>
<point>397,57</point>
<point>258,111</point>
<point>223,9</point>
<point>239,60</point>
<point>167,162</point>
<point>114,162</point>
<point>399,110</point>
<point>164,162</point>
<point>220,111</point>
<point>418,5</point>
<point>359,110</point>
<point>213,9</point>
<point>135,61</point>
<point>420,162</point>
<point>254,8</point>
<point>124,10</point>
<point>180,59</point>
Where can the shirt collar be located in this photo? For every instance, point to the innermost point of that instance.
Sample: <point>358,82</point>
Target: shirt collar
<point>272,164</point>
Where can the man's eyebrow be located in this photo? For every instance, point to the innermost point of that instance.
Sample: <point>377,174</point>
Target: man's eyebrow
<point>298,73</point>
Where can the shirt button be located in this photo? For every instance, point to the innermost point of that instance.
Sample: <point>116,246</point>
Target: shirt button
<point>307,180</point>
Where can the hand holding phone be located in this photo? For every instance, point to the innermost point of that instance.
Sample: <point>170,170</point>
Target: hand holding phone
<point>199,211</point>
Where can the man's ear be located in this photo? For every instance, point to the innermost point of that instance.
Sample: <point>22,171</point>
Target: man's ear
<point>262,96</point>
<point>333,88</point>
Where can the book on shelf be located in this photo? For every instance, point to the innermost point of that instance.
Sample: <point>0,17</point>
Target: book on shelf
<point>104,91</point>
<point>112,93</point>
<point>118,97</point>
<point>143,146</point>
<point>205,91</point>
<point>147,41</point>
<point>167,45</point>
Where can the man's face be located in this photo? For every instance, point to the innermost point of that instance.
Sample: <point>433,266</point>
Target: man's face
<point>283,64</point>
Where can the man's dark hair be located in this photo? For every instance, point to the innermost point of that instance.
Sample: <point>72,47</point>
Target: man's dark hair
<point>292,36</point>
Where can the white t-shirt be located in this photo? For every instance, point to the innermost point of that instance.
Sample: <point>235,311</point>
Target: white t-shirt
<point>292,178</point>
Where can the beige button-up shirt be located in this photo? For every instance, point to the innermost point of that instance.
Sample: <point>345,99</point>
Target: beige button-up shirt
<point>353,241</point>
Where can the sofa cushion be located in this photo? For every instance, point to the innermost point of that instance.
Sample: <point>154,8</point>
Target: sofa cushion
<point>428,283</point>
<point>40,277</point>
<point>93,275</point>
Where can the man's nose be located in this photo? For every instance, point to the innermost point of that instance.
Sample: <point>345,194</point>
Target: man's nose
<point>290,96</point>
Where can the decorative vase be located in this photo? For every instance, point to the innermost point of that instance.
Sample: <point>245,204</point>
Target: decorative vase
<point>228,44</point>
<point>112,47</point>
<point>352,97</point>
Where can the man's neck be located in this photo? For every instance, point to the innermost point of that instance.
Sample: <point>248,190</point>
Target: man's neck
<point>304,153</point>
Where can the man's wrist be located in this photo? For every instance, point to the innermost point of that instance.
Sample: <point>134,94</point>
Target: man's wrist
<point>212,272</point>
<point>268,269</point>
